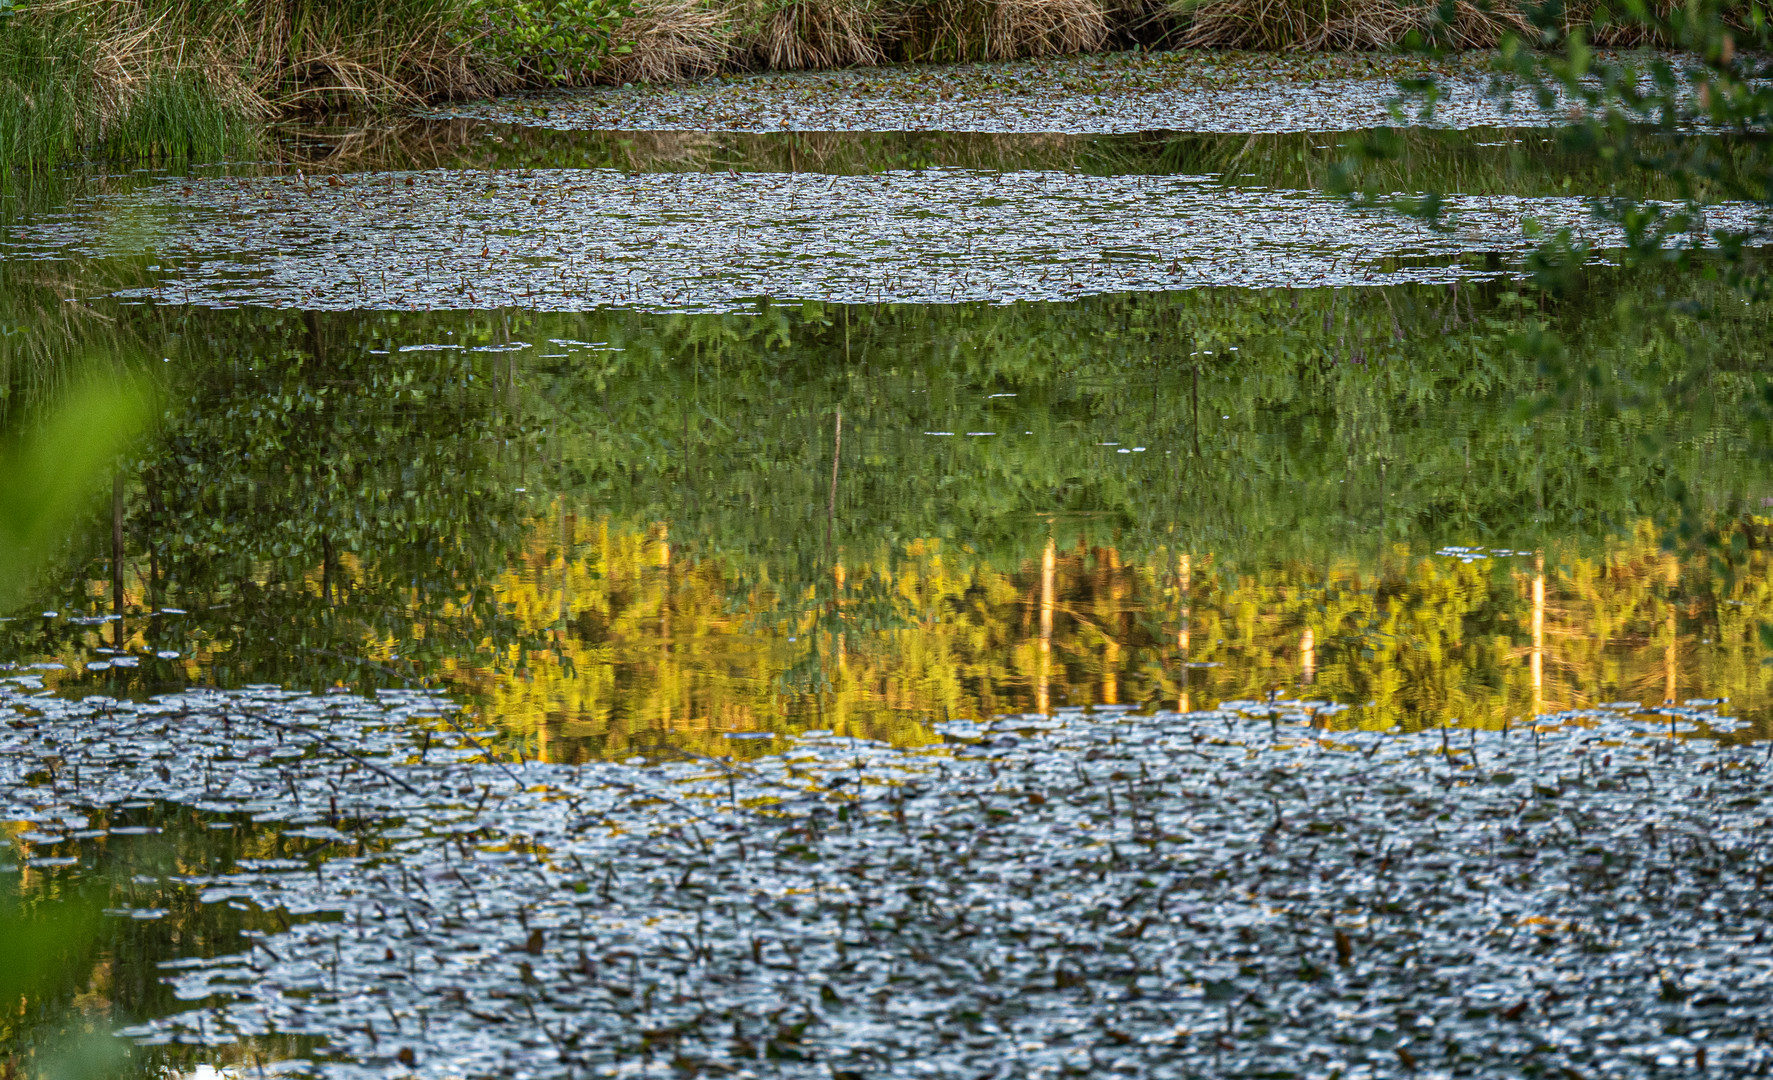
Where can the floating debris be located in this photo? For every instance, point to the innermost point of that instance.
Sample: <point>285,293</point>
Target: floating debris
<point>1476,554</point>
<point>140,914</point>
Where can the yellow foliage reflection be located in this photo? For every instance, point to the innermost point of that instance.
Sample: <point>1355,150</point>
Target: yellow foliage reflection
<point>651,646</point>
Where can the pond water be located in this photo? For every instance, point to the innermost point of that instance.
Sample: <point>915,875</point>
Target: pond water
<point>952,603</point>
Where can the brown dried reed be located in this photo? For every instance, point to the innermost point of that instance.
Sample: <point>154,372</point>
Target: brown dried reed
<point>676,39</point>
<point>671,41</point>
<point>1317,25</point>
<point>818,34</point>
<point>263,57</point>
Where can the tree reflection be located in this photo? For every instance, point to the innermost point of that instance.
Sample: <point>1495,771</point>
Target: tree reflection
<point>646,657</point>
<point>616,531</point>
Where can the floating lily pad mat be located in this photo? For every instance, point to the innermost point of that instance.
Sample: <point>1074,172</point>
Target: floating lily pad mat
<point>1246,891</point>
<point>1116,92</point>
<point>694,242</point>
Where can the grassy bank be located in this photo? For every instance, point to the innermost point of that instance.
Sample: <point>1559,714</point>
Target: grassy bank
<point>177,78</point>
<point>196,78</point>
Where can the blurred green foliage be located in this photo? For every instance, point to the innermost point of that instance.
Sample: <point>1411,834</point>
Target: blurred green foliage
<point>1661,133</point>
<point>50,465</point>
<point>43,944</point>
<point>1666,133</point>
<point>39,942</point>
<point>49,472</point>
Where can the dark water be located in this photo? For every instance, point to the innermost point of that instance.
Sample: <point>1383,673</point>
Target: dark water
<point>617,534</point>
<point>614,531</point>
<point>1474,161</point>
<point>105,924</point>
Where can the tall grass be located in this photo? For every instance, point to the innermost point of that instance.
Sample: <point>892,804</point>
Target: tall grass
<point>678,39</point>
<point>178,78</point>
<point>197,78</point>
<point>46,106</point>
<point>682,39</point>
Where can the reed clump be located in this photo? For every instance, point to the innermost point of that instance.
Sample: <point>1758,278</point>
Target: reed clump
<point>676,39</point>
<point>171,78</point>
<point>1317,25</point>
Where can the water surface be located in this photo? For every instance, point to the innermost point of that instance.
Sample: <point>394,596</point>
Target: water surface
<point>1058,595</point>
<point>624,530</point>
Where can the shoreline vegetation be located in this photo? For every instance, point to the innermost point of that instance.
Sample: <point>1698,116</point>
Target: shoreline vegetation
<point>172,79</point>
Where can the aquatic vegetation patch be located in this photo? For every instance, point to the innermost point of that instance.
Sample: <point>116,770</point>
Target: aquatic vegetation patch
<point>1248,891</point>
<point>581,239</point>
<point>1113,93</point>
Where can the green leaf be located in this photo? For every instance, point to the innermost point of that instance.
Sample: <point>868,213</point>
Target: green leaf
<point>47,476</point>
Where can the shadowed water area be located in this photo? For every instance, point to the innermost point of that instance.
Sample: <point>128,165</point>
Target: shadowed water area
<point>920,603</point>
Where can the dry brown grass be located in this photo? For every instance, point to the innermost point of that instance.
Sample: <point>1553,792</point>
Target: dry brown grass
<point>804,34</point>
<point>686,39</point>
<point>1313,25</point>
<point>308,54</point>
<point>671,41</point>
<point>132,46</point>
<point>997,29</point>
<point>1044,27</point>
<point>1318,25</point>
<point>261,57</point>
